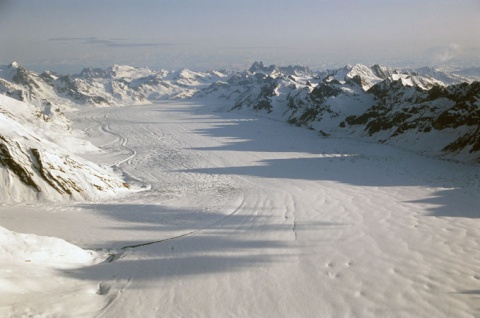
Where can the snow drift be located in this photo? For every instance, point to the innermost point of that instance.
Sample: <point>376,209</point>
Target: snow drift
<point>43,251</point>
<point>30,267</point>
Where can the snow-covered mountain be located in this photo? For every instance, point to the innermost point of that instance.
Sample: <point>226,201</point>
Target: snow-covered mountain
<point>115,86</point>
<point>34,167</point>
<point>37,159</point>
<point>442,119</point>
<point>426,110</point>
<point>472,73</point>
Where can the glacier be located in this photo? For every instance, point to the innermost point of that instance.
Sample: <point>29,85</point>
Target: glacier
<point>232,208</point>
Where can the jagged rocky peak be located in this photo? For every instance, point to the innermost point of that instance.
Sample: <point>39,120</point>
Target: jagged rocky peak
<point>189,77</point>
<point>89,73</point>
<point>260,67</point>
<point>296,70</point>
<point>185,73</point>
<point>50,77</point>
<point>365,76</point>
<point>14,64</point>
<point>128,72</point>
<point>392,87</point>
<point>359,69</point>
<point>362,70</point>
<point>218,73</point>
<point>114,72</point>
<point>8,71</point>
<point>321,99</point>
<point>18,71</point>
<point>423,82</point>
<point>25,77</point>
<point>349,71</point>
<point>293,70</point>
<point>382,72</point>
<point>368,76</point>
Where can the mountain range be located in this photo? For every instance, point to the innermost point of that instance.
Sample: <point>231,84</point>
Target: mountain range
<point>426,110</point>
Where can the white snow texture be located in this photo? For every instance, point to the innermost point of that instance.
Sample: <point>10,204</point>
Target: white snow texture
<point>241,214</point>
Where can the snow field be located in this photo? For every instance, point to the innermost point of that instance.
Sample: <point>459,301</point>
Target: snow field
<point>248,217</point>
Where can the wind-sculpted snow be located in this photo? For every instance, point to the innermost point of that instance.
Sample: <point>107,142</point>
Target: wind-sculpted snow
<point>241,215</point>
<point>28,266</point>
<point>247,217</point>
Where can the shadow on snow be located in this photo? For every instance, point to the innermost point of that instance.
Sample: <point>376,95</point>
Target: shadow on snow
<point>342,160</point>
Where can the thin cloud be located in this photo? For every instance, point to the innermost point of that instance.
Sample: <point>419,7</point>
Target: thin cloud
<point>153,44</point>
<point>249,47</point>
<point>69,39</point>
<point>114,42</point>
<point>443,54</point>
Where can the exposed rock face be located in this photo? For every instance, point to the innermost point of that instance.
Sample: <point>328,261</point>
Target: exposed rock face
<point>424,109</point>
<point>115,86</point>
<point>37,173</point>
<point>384,104</point>
<point>35,168</point>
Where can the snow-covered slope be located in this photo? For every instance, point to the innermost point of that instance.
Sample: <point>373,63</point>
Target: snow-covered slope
<point>252,217</point>
<point>448,78</point>
<point>246,216</point>
<point>344,101</point>
<point>25,85</point>
<point>115,86</point>
<point>30,265</point>
<point>35,168</point>
<point>442,119</point>
<point>413,109</point>
<point>472,73</point>
<point>18,248</point>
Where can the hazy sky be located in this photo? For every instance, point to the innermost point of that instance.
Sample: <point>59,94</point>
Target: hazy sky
<point>65,35</point>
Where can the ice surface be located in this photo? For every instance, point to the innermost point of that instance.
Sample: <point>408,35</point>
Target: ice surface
<point>249,217</point>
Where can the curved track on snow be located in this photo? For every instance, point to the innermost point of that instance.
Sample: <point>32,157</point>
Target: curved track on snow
<point>248,217</point>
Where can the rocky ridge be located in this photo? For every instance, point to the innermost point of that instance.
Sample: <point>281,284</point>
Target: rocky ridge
<point>425,110</point>
<point>34,167</point>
